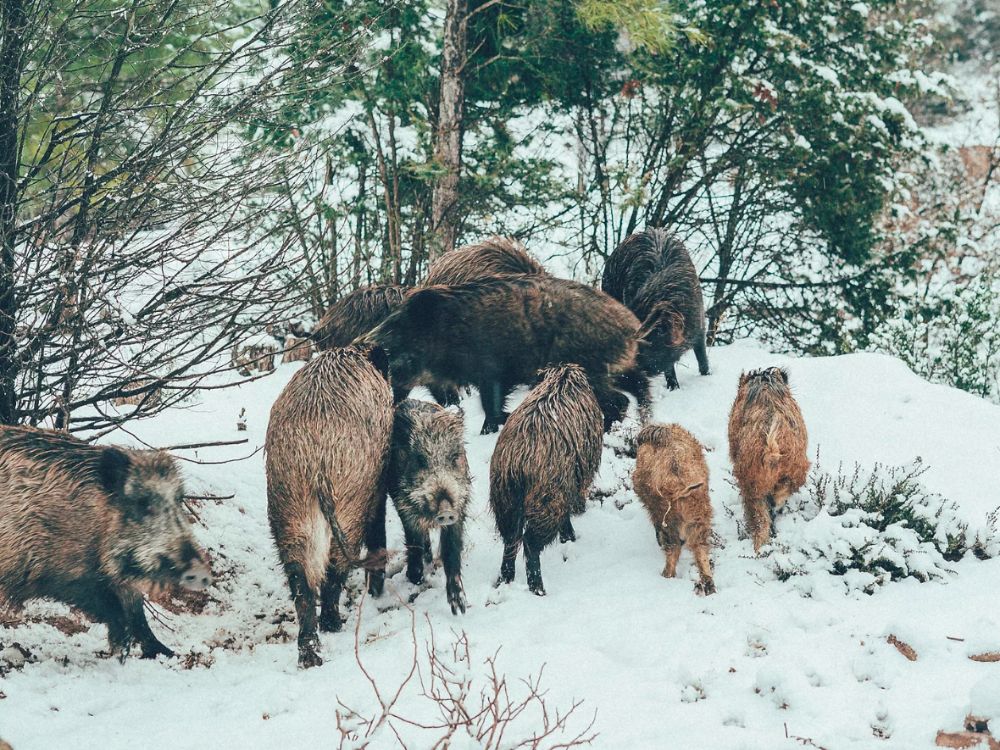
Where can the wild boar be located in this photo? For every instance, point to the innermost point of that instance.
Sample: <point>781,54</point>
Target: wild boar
<point>497,333</point>
<point>768,446</point>
<point>325,453</point>
<point>543,464</point>
<point>88,525</point>
<point>652,274</point>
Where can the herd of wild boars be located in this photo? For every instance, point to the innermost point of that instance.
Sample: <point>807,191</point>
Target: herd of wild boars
<point>92,525</point>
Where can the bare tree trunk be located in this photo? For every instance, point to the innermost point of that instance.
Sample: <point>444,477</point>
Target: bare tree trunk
<point>448,137</point>
<point>13,26</point>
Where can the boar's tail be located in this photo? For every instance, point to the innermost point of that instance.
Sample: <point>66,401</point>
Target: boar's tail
<point>324,496</point>
<point>772,452</point>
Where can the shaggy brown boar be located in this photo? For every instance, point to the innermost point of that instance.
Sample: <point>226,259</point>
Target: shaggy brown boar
<point>428,480</point>
<point>671,480</point>
<point>543,464</point>
<point>89,525</point>
<point>325,454</point>
<point>493,258</point>
<point>652,274</point>
<point>767,445</point>
<point>497,333</point>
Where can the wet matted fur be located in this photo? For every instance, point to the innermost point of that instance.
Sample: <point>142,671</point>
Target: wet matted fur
<point>325,453</point>
<point>768,446</point>
<point>671,480</point>
<point>652,274</point>
<point>543,464</point>
<point>493,258</point>
<point>356,313</point>
<point>496,333</point>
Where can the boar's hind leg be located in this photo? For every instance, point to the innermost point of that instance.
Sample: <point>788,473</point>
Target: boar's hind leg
<point>305,611</point>
<point>701,352</point>
<point>375,543</point>
<point>493,394</point>
<point>566,532</point>
<point>329,610</point>
<point>451,558</point>
<point>139,626</point>
<point>671,375</point>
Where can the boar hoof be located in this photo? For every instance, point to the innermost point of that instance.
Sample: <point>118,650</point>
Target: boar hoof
<point>489,427</point>
<point>456,597</point>
<point>672,384</point>
<point>152,649</point>
<point>705,588</point>
<point>376,583</point>
<point>309,658</point>
<point>537,589</point>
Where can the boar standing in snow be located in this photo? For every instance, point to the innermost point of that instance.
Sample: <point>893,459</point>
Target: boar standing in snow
<point>652,274</point>
<point>428,479</point>
<point>325,454</point>
<point>88,524</point>
<point>671,480</point>
<point>542,466</point>
<point>497,333</point>
<point>494,258</point>
<point>767,446</point>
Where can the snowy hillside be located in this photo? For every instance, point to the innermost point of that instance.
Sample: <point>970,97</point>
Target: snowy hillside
<point>764,663</point>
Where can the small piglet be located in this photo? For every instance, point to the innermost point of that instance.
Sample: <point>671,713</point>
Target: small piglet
<point>671,480</point>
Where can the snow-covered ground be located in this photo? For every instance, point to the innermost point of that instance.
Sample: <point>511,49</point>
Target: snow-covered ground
<point>761,664</point>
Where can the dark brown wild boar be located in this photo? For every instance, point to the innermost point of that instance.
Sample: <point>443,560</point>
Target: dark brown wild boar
<point>652,274</point>
<point>428,480</point>
<point>90,525</point>
<point>543,464</point>
<point>493,258</point>
<point>497,333</point>
<point>768,446</point>
<point>325,455</point>
<point>671,480</point>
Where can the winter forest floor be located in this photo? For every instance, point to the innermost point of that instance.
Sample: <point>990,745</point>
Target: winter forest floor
<point>764,663</point>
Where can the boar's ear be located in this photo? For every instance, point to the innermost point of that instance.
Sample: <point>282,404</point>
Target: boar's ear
<point>784,374</point>
<point>423,306</point>
<point>112,470</point>
<point>379,359</point>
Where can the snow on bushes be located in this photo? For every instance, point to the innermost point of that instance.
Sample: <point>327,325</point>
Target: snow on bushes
<point>875,526</point>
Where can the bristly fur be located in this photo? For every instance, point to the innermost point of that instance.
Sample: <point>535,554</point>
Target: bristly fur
<point>428,473</point>
<point>768,447</point>
<point>652,274</point>
<point>325,453</point>
<point>91,525</point>
<point>671,480</point>
<point>496,333</point>
<point>493,258</point>
<point>543,464</point>
<point>356,313</point>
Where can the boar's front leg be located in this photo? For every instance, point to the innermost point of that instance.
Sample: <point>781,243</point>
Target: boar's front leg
<point>139,626</point>
<point>701,352</point>
<point>493,394</point>
<point>415,552</point>
<point>451,558</point>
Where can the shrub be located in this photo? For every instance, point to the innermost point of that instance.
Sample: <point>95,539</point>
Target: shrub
<point>876,526</point>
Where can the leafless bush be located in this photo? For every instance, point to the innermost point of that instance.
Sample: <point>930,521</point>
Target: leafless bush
<point>485,707</point>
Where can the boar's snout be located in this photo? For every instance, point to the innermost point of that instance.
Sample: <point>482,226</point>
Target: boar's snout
<point>197,576</point>
<point>446,515</point>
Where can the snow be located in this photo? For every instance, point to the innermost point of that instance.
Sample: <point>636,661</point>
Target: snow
<point>763,663</point>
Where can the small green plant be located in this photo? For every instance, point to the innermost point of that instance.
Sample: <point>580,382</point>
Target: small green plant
<point>874,526</point>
